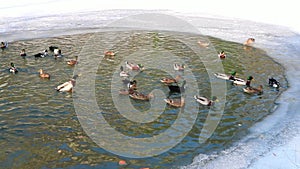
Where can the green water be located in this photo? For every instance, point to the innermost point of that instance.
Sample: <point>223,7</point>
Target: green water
<point>39,126</point>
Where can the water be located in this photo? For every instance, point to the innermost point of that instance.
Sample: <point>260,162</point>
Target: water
<point>38,122</point>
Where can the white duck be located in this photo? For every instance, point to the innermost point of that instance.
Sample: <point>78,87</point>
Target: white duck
<point>123,73</point>
<point>205,101</point>
<point>67,86</point>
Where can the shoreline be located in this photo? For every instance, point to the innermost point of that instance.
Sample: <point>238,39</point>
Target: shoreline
<point>258,158</point>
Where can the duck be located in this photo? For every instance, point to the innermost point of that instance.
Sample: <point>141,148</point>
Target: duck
<point>230,77</point>
<point>205,101</point>
<point>132,85</point>
<point>274,83</point>
<point>41,55</point>
<point>67,86</point>
<point>167,80</point>
<point>179,67</point>
<point>123,73</point>
<point>57,53</point>
<point>176,88</point>
<point>252,90</point>
<point>3,45</point>
<point>140,96</point>
<point>51,48</point>
<point>12,68</point>
<point>43,74</point>
<point>203,44</point>
<point>128,82</point>
<point>175,102</point>
<point>73,62</point>
<point>242,82</point>
<point>23,52</point>
<point>222,55</point>
<point>109,54</point>
<point>133,66</point>
<point>249,41</point>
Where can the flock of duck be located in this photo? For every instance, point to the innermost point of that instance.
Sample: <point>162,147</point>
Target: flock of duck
<point>174,87</point>
<point>172,83</point>
<point>131,85</point>
<point>65,87</point>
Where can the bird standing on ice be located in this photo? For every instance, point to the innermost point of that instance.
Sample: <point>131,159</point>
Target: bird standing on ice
<point>249,41</point>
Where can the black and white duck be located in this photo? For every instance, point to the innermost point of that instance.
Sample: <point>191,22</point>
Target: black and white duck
<point>274,83</point>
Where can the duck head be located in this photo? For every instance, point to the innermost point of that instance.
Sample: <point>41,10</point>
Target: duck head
<point>233,73</point>
<point>250,78</point>
<point>141,66</point>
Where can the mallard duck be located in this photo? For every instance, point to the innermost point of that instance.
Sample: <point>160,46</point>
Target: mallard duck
<point>133,66</point>
<point>203,44</point>
<point>252,90</point>
<point>67,86</point>
<point>12,68</point>
<point>222,55</point>
<point>167,80</point>
<point>123,73</point>
<point>175,102</point>
<point>274,83</point>
<point>249,41</point>
<point>205,101</point>
<point>227,77</point>
<point>141,96</point>
<point>41,55</point>
<point>43,74</point>
<point>243,82</point>
<point>176,88</point>
<point>179,67</point>
<point>73,62</point>
<point>23,52</point>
